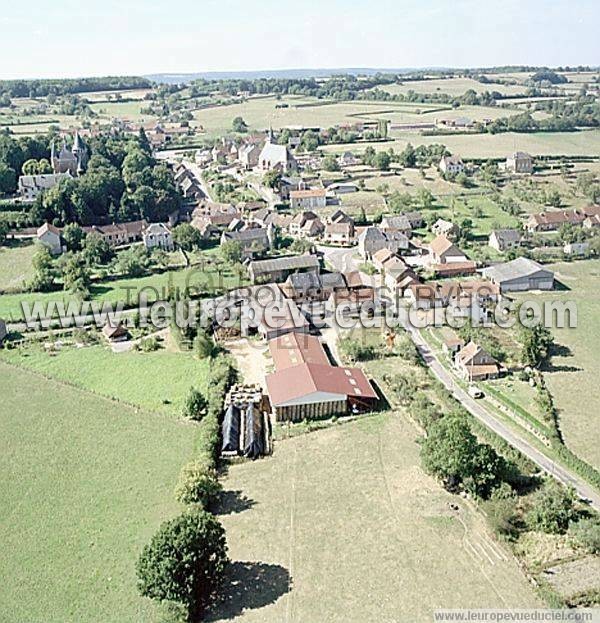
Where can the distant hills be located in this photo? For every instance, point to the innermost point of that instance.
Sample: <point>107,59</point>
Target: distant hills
<point>273,73</point>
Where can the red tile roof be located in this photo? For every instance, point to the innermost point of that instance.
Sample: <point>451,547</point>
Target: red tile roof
<point>297,382</point>
<point>294,349</point>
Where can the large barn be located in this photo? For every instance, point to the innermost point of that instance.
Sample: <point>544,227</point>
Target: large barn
<point>305,384</point>
<point>520,275</point>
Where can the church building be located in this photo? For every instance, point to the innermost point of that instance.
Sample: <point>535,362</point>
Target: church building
<point>72,160</point>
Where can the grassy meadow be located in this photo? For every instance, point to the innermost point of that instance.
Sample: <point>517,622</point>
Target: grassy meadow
<point>155,381</point>
<point>154,287</point>
<point>451,86</point>
<point>584,142</point>
<point>260,112</point>
<point>15,266</point>
<point>85,483</point>
<point>343,525</point>
<point>573,374</point>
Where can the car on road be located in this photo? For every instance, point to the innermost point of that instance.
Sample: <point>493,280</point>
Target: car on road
<point>474,392</point>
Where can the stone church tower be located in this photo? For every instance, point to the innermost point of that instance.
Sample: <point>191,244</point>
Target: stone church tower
<point>72,160</point>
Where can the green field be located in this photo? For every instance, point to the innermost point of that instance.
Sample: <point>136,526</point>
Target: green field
<point>85,484</point>
<point>363,534</point>
<point>573,375</point>
<point>260,112</point>
<point>451,86</point>
<point>156,381</point>
<point>15,266</point>
<point>156,286</point>
<point>585,142</point>
<point>128,110</point>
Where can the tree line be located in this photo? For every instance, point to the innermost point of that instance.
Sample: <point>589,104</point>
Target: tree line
<point>64,86</point>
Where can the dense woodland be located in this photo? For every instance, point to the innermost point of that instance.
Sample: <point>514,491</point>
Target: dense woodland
<point>63,86</point>
<point>123,181</point>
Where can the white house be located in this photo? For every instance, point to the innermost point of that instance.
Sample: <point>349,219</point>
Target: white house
<point>31,186</point>
<point>445,228</point>
<point>248,155</point>
<point>49,236</point>
<point>519,162</point>
<point>372,239</point>
<point>504,239</point>
<point>309,199</point>
<point>339,233</point>
<point>158,236</point>
<point>576,248</point>
<point>444,251</point>
<point>451,164</point>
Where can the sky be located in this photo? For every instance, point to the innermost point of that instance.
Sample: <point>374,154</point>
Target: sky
<point>73,38</point>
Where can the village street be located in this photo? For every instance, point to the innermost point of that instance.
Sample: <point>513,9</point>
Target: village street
<point>548,465</point>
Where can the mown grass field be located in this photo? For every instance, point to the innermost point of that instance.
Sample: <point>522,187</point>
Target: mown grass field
<point>154,287</point>
<point>573,375</point>
<point>585,142</point>
<point>15,266</point>
<point>85,482</point>
<point>260,112</point>
<point>128,110</point>
<point>349,518</point>
<point>156,381</point>
<point>451,86</point>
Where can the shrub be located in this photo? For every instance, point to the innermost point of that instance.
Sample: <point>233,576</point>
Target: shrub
<point>197,484</point>
<point>553,508</point>
<point>501,511</point>
<point>222,376</point>
<point>586,534</point>
<point>149,344</point>
<point>195,404</point>
<point>185,561</point>
<point>203,345</point>
<point>355,351</point>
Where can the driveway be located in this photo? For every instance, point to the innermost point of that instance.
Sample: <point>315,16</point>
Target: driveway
<point>251,358</point>
<point>345,260</point>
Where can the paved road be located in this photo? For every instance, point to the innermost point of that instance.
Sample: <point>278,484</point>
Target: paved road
<point>483,415</point>
<point>196,171</point>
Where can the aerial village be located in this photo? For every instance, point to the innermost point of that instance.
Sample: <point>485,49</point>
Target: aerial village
<point>392,246</point>
<point>365,266</point>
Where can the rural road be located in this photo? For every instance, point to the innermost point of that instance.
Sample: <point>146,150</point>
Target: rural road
<point>552,468</point>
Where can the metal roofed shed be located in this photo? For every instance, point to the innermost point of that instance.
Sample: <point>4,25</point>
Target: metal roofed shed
<point>520,275</point>
<point>279,268</point>
<point>306,385</point>
<point>311,390</point>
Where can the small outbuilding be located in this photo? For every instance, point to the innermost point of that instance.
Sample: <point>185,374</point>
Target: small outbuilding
<point>115,333</point>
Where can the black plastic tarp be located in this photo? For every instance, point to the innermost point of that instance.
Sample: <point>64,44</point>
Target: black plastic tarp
<point>231,429</point>
<point>253,446</point>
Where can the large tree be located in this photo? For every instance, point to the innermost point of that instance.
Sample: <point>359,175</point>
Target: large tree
<point>185,561</point>
<point>448,449</point>
<point>187,237</point>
